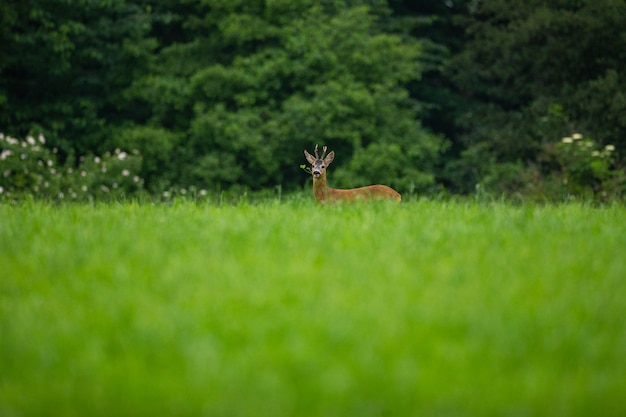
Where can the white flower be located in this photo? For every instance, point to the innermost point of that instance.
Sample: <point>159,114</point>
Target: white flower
<point>50,162</point>
<point>577,136</point>
<point>567,140</point>
<point>125,172</point>
<point>595,153</point>
<point>609,148</point>
<point>84,188</point>
<point>96,159</point>
<point>122,155</point>
<point>5,153</point>
<point>104,188</point>
<point>1,189</point>
<point>83,173</point>
<point>42,140</point>
<point>30,140</point>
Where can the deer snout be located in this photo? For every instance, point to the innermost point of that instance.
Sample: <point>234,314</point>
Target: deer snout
<point>317,172</point>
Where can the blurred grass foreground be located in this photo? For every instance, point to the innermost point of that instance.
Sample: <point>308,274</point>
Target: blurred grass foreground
<point>292,309</point>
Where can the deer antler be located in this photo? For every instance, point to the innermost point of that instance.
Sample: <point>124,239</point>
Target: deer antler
<point>324,152</point>
<point>316,156</point>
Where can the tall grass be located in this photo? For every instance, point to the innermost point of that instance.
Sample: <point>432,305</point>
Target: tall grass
<point>284,309</point>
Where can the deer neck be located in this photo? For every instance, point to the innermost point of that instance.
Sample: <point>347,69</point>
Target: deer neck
<point>320,188</point>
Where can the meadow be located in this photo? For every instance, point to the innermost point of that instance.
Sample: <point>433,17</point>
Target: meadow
<point>422,308</point>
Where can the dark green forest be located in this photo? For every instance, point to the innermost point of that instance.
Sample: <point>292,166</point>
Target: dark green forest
<point>506,98</point>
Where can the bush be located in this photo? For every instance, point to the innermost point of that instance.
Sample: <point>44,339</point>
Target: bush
<point>583,168</point>
<point>575,168</point>
<point>30,169</point>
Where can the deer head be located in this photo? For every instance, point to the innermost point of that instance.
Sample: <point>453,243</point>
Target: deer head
<point>318,164</point>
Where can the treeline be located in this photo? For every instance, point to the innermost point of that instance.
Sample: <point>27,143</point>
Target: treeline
<point>517,97</point>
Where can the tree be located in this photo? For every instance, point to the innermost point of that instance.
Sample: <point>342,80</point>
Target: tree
<point>537,71</point>
<point>261,81</point>
<point>64,65</point>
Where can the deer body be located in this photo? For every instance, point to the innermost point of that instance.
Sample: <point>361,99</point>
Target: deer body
<point>324,194</point>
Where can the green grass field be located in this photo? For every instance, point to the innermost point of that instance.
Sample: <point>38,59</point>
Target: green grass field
<point>292,309</point>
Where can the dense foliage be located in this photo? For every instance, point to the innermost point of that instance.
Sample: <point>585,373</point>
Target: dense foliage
<point>216,94</point>
<point>535,72</point>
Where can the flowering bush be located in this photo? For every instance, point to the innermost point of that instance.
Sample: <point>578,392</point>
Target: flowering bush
<point>29,168</point>
<point>582,162</point>
<point>584,169</point>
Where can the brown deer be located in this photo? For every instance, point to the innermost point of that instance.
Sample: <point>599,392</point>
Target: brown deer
<point>324,194</point>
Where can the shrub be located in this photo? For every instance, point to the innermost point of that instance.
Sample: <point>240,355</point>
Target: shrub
<point>578,167</point>
<point>29,169</point>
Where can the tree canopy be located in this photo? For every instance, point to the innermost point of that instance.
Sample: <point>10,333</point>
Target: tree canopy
<point>536,72</point>
<point>422,96</point>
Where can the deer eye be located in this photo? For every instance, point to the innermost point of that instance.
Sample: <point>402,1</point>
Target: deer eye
<point>323,167</point>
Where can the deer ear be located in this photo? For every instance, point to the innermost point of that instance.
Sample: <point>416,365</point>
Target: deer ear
<point>329,158</point>
<point>309,157</point>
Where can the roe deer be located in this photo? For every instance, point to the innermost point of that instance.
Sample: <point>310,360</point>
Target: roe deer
<point>324,194</point>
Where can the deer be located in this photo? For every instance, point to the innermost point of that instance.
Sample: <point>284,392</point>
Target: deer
<point>324,194</point>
